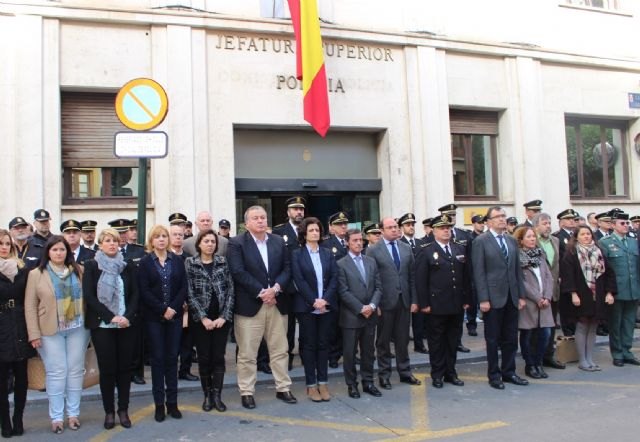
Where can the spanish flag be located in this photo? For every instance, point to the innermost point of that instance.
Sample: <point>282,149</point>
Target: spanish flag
<point>310,63</point>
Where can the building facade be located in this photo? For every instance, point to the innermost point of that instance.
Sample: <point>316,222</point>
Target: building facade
<point>480,103</point>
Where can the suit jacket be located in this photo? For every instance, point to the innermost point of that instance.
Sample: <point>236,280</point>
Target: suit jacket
<point>335,246</point>
<point>443,283</point>
<point>625,262</point>
<point>189,245</point>
<point>152,301</point>
<point>250,275</point>
<point>97,311</point>
<point>355,293</point>
<point>306,283</point>
<point>418,242</point>
<point>554,266</point>
<point>85,254</point>
<point>397,285</point>
<point>496,279</point>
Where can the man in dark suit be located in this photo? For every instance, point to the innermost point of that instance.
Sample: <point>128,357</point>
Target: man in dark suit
<point>498,281</point>
<point>531,209</point>
<point>289,232</point>
<point>337,244</point>
<point>408,226</point>
<point>567,222</point>
<point>260,266</point>
<point>71,231</point>
<point>88,233</point>
<point>395,264</point>
<point>360,291</point>
<point>443,286</point>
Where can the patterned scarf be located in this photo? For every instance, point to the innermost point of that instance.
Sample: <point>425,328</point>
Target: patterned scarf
<point>591,263</point>
<point>9,268</point>
<point>530,257</point>
<point>108,284</point>
<point>68,291</point>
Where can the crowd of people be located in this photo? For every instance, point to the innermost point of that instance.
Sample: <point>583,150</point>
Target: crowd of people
<point>359,296</point>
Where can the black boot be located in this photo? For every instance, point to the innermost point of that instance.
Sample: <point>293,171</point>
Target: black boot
<point>18,428</point>
<point>206,381</point>
<point>160,413</point>
<point>5,417</point>
<point>216,391</point>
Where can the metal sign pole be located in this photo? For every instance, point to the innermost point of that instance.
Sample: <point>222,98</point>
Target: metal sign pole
<point>142,200</point>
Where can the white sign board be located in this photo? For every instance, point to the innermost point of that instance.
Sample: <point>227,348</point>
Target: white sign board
<point>141,145</point>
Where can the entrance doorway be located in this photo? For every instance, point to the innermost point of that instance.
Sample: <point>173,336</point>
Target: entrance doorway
<point>361,208</point>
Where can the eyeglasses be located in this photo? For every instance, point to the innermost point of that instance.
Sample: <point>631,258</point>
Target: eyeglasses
<point>498,216</point>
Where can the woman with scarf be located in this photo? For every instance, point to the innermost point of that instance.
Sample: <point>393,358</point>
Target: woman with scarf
<point>535,319</point>
<point>211,299</point>
<point>111,293</point>
<point>587,291</point>
<point>14,346</point>
<point>54,312</point>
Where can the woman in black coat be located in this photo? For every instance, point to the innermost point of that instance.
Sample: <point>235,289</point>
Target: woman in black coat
<point>111,295</point>
<point>14,344</point>
<point>162,283</point>
<point>586,292</point>
<point>315,274</point>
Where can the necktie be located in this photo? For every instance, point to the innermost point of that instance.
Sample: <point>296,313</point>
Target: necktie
<point>342,242</point>
<point>446,251</point>
<point>502,246</point>
<point>360,266</point>
<point>624,241</point>
<point>394,253</point>
<point>413,244</point>
<point>123,250</point>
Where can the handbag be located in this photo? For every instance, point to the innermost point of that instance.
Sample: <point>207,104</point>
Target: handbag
<point>35,374</point>
<point>566,350</point>
<point>91,371</point>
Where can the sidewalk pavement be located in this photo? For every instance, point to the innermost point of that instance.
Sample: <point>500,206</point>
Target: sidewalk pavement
<point>475,344</point>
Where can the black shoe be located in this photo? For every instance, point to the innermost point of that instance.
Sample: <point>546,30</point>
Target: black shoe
<point>159,415</point>
<point>515,379</point>
<point>553,363</point>
<point>248,401</point>
<point>333,364</point>
<point>543,374</point>
<point>497,384</point>
<point>138,380</point>
<point>109,421</point>
<point>6,426</point>
<point>384,383</point>
<point>462,349</point>
<point>632,361</point>
<point>454,380</point>
<point>216,400</point>
<point>422,350</point>
<point>265,368</point>
<point>123,417</point>
<point>472,332</point>
<point>18,428</point>
<point>411,380</point>
<point>371,389</point>
<point>353,391</point>
<point>172,410</point>
<point>188,377</point>
<point>437,383</point>
<point>532,372</point>
<point>287,397</point>
<point>618,362</point>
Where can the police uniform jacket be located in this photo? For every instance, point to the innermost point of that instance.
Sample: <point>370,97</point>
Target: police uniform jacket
<point>290,238</point>
<point>418,242</point>
<point>625,262</point>
<point>84,254</point>
<point>335,246</point>
<point>443,283</point>
<point>564,237</point>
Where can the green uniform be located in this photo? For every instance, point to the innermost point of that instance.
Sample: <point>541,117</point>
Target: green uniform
<point>623,256</point>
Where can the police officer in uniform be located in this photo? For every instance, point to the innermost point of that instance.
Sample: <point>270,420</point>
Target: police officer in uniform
<point>604,226</point>
<point>635,225</point>
<point>512,223</point>
<point>224,228</point>
<point>37,241</point>
<point>531,209</point>
<point>478,222</point>
<point>567,221</point>
<point>132,254</point>
<point>462,237</point>
<point>373,233</point>
<point>426,226</point>
<point>28,253</point>
<point>289,232</point>
<point>443,285</point>
<point>623,256</point>
<point>337,244</point>
<point>88,233</point>
<point>71,231</point>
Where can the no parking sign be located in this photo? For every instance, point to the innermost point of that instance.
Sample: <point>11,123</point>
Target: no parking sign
<point>142,104</point>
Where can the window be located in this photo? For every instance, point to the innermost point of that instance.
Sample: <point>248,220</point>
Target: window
<point>596,155</point>
<point>473,151</point>
<point>602,4</point>
<point>274,9</point>
<point>91,172</point>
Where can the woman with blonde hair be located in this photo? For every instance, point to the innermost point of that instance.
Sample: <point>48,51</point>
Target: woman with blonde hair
<point>14,345</point>
<point>111,292</point>
<point>162,284</point>
<point>54,311</point>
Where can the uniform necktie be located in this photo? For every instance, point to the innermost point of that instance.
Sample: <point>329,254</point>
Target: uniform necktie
<point>360,266</point>
<point>413,243</point>
<point>394,253</point>
<point>446,251</point>
<point>624,241</point>
<point>502,246</point>
<point>342,242</point>
<point>123,250</point>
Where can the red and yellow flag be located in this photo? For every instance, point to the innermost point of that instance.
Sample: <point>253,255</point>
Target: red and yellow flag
<point>310,63</point>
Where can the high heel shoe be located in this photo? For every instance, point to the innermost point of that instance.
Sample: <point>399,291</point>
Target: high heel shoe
<point>123,416</point>
<point>109,421</point>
